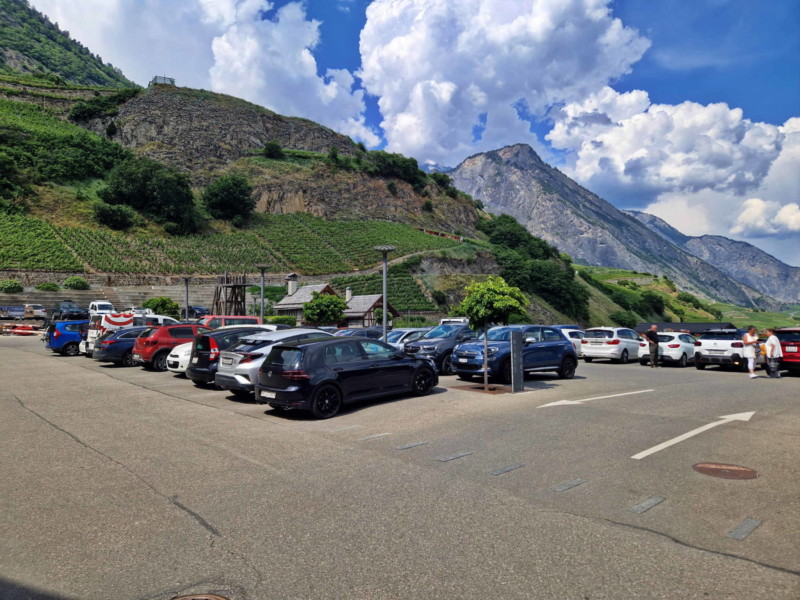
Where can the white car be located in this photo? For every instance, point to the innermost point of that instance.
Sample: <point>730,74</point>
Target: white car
<point>100,307</point>
<point>576,337</point>
<point>619,344</point>
<point>178,359</point>
<point>673,347</point>
<point>398,337</point>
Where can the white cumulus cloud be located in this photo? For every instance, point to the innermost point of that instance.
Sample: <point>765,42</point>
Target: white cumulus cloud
<point>444,71</point>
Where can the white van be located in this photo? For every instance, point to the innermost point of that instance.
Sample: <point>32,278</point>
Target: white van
<point>100,307</point>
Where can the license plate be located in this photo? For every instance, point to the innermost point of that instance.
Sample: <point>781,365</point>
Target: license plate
<point>137,356</point>
<point>227,361</point>
<point>462,360</point>
<point>791,348</point>
<point>194,360</point>
<point>266,394</point>
<point>716,351</point>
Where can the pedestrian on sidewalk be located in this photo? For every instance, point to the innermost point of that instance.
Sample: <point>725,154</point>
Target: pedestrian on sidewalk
<point>750,341</point>
<point>652,337</point>
<point>774,354</point>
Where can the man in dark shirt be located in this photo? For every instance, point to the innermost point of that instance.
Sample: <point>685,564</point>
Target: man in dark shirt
<point>652,337</point>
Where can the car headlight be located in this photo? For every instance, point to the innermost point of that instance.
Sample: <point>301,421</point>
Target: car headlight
<point>492,350</point>
<point>428,348</point>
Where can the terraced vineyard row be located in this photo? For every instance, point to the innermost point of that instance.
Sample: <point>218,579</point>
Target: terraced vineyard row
<point>404,291</point>
<point>298,242</point>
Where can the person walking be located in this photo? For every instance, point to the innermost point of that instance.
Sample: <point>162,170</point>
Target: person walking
<point>774,354</point>
<point>652,337</point>
<point>750,341</point>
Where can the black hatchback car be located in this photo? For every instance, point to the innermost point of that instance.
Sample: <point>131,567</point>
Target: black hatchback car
<point>117,346</point>
<point>204,361</point>
<point>323,374</point>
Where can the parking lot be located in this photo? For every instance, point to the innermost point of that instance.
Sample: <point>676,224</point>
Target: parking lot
<point>125,483</point>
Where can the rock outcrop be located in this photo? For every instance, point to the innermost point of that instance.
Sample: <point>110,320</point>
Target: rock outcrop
<point>514,180</point>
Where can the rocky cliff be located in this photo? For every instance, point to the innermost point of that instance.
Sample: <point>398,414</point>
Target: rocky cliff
<point>740,260</point>
<point>515,181</point>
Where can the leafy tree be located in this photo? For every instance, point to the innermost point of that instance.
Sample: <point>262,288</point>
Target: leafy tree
<point>282,320</point>
<point>651,303</point>
<point>75,282</point>
<point>324,309</point>
<point>162,305</point>
<point>116,217</point>
<point>491,302</point>
<point>427,206</point>
<point>228,197</point>
<point>442,180</point>
<point>273,149</point>
<point>624,318</point>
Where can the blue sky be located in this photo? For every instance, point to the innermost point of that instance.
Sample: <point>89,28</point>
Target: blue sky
<point>689,110</point>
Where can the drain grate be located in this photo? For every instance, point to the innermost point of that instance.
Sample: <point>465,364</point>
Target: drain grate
<point>200,597</point>
<point>725,471</point>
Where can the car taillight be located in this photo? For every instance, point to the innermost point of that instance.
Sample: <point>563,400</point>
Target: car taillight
<point>613,342</point>
<point>698,343</point>
<point>213,350</point>
<point>642,344</point>
<point>249,357</point>
<point>737,345</point>
<point>672,345</point>
<point>108,342</point>
<point>295,375</point>
<point>56,333</point>
<point>584,341</point>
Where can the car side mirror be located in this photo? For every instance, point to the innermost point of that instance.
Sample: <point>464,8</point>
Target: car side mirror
<point>398,355</point>
<point>530,340</point>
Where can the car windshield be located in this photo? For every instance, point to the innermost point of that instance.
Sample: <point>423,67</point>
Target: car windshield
<point>393,336</point>
<point>288,358</point>
<point>598,333</point>
<point>104,307</point>
<point>666,338</point>
<point>788,336</point>
<point>148,332</point>
<point>442,331</point>
<point>499,334</point>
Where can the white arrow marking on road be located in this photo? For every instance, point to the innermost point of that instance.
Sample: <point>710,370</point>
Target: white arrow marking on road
<point>566,402</point>
<point>724,419</point>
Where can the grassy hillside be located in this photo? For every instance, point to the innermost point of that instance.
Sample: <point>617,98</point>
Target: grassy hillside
<point>742,317</point>
<point>32,43</point>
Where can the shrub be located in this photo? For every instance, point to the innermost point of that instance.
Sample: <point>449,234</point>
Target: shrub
<point>427,206</point>
<point>392,187</point>
<point>230,197</point>
<point>162,306</point>
<point>48,286</point>
<point>10,286</point>
<point>119,217</point>
<point>439,296</point>
<point>272,149</point>
<point>282,320</point>
<point>111,129</point>
<point>624,318</point>
<point>76,283</point>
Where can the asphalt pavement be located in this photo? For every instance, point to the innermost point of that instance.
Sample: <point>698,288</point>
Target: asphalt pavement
<point>124,483</point>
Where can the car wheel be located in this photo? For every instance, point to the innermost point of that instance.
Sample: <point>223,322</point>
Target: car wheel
<point>643,362</point>
<point>127,359</point>
<point>588,359</point>
<point>70,349</point>
<point>447,364</point>
<point>160,362</point>
<point>327,402</point>
<point>698,365</point>
<point>423,382</point>
<point>567,369</point>
<point>623,359</point>
<point>683,361</point>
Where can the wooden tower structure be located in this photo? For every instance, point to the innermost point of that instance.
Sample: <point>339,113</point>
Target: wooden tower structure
<point>229,295</point>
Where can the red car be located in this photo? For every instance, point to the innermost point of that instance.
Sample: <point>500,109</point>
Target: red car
<point>790,345</point>
<point>154,343</point>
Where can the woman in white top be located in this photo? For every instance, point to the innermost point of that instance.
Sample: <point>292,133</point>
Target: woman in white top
<point>774,354</point>
<point>750,340</point>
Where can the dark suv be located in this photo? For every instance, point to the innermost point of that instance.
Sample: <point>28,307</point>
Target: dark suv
<point>437,345</point>
<point>544,349</point>
<point>67,310</point>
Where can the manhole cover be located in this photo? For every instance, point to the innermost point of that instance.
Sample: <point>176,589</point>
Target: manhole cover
<point>200,597</point>
<point>725,471</point>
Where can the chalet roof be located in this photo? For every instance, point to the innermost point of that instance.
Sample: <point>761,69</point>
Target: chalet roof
<point>302,295</point>
<point>360,305</point>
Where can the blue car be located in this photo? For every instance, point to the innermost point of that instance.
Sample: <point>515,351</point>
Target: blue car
<point>544,348</point>
<point>117,346</point>
<point>65,336</point>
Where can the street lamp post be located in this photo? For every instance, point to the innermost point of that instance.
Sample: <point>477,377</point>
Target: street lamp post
<point>186,296</point>
<point>385,251</point>
<point>262,268</point>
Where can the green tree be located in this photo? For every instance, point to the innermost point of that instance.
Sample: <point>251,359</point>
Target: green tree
<point>228,197</point>
<point>116,217</point>
<point>162,306</point>
<point>272,149</point>
<point>75,283</point>
<point>324,309</point>
<point>491,302</point>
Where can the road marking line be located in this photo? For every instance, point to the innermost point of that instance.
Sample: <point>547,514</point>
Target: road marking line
<point>507,469</point>
<point>411,445</point>
<point>569,402</point>
<point>724,419</point>
<point>568,485</point>
<point>345,428</point>
<point>374,437</point>
<point>646,505</point>
<point>454,456</point>
<point>746,528</point>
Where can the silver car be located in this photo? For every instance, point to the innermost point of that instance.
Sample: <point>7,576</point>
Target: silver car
<point>398,337</point>
<point>238,365</point>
